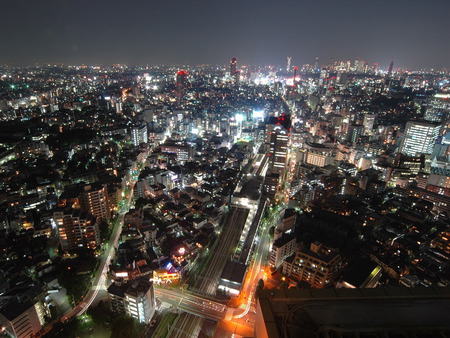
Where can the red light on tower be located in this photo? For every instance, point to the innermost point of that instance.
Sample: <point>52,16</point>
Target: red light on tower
<point>181,77</point>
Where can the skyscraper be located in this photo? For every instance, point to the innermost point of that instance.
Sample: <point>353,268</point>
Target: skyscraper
<point>277,138</point>
<point>94,199</point>
<point>233,66</point>
<point>139,134</point>
<point>136,299</point>
<point>234,73</point>
<point>369,122</point>
<point>391,66</point>
<point>181,83</point>
<point>181,78</point>
<point>438,107</point>
<point>288,68</point>
<point>419,138</point>
<point>76,229</point>
<point>278,150</point>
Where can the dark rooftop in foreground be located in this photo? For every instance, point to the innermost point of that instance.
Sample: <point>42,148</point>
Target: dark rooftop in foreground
<point>379,312</point>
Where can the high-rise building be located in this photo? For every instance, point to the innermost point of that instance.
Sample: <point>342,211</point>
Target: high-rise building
<point>318,265</point>
<point>135,299</point>
<point>391,66</point>
<point>369,122</point>
<point>181,83</point>
<point>282,248</point>
<point>354,132</point>
<point>276,142</point>
<point>233,66</point>
<point>419,138</point>
<point>288,68</point>
<point>94,199</point>
<point>139,134</point>
<point>76,229</point>
<point>279,140</point>
<point>234,73</point>
<point>438,107</point>
<point>181,79</point>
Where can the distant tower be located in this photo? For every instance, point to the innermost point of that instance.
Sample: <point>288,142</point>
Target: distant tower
<point>390,68</point>
<point>288,68</point>
<point>316,65</point>
<point>234,73</point>
<point>295,74</point>
<point>181,78</point>
<point>375,68</point>
<point>181,83</point>
<point>233,66</point>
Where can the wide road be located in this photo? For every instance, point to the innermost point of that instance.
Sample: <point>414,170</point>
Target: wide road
<point>98,282</point>
<point>187,302</point>
<point>256,269</point>
<point>196,308</point>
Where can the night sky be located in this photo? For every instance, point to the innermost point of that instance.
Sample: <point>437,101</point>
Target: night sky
<point>415,34</point>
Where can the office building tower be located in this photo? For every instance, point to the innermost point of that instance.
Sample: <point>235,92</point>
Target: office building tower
<point>76,229</point>
<point>181,79</point>
<point>369,122</point>
<point>324,76</point>
<point>278,150</point>
<point>135,299</point>
<point>181,83</point>
<point>139,134</point>
<point>419,138</point>
<point>233,66</point>
<point>234,73</point>
<point>354,132</point>
<point>391,66</point>
<point>438,108</point>
<point>94,199</point>
<point>288,68</point>
<point>276,140</point>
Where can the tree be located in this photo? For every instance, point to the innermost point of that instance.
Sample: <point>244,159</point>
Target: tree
<point>125,327</point>
<point>69,329</point>
<point>140,203</point>
<point>99,313</point>
<point>271,231</point>
<point>104,230</point>
<point>260,285</point>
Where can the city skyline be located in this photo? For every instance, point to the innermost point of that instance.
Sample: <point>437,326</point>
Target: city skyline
<point>224,169</point>
<point>257,33</point>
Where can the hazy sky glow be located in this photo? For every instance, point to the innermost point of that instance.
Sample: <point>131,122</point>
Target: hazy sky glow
<point>413,33</point>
